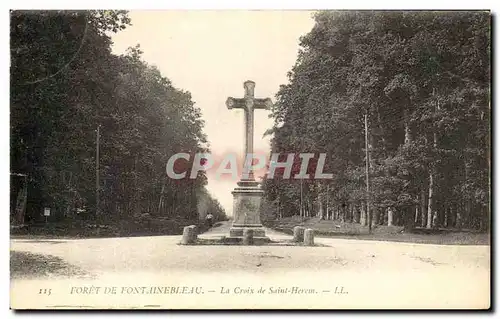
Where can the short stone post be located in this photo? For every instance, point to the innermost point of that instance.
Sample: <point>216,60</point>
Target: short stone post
<point>188,235</point>
<point>194,233</point>
<point>309,237</point>
<point>298,234</point>
<point>248,236</point>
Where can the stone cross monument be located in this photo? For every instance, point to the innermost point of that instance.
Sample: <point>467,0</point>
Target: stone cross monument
<point>248,195</point>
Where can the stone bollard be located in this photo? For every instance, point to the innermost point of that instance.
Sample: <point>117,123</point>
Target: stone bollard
<point>298,234</point>
<point>194,233</point>
<point>248,237</point>
<point>309,237</point>
<point>188,235</point>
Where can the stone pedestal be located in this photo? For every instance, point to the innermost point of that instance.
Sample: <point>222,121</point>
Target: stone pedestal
<point>246,209</point>
<point>309,237</point>
<point>298,234</point>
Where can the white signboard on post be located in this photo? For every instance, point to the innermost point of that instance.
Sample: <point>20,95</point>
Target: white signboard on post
<point>46,211</point>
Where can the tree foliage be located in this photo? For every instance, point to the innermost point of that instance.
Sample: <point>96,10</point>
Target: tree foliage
<point>423,80</point>
<point>65,84</point>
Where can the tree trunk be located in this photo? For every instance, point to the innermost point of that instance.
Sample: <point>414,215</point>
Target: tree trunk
<point>458,218</point>
<point>436,216</point>
<point>307,208</point>
<point>357,214</point>
<point>390,216</point>
<point>431,212</point>
<point>423,207</point>
<point>279,208</point>
<point>136,207</point>
<point>375,217</point>
<point>304,209</point>
<point>21,202</point>
<point>417,211</point>
<point>321,213</point>
<point>408,137</point>
<point>328,202</point>
<point>446,216</point>
<point>465,220</point>
<point>408,219</point>
<point>160,202</point>
<point>301,205</point>
<point>362,218</point>
<point>430,204</point>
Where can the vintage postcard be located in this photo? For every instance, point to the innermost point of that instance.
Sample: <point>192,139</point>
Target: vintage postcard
<point>243,159</point>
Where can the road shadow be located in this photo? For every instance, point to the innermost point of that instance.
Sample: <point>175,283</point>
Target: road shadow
<point>41,241</point>
<point>26,265</point>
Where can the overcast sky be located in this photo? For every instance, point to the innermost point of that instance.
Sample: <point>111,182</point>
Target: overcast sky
<point>211,54</point>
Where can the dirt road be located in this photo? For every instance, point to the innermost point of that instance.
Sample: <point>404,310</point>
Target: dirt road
<point>372,274</point>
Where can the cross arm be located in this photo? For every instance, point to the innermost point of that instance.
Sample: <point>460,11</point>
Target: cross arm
<point>233,103</point>
<point>263,104</point>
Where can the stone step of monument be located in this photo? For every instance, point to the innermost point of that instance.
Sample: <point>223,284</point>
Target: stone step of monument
<point>237,240</point>
<point>239,231</point>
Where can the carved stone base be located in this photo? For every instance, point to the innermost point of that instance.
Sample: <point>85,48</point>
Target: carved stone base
<point>246,209</point>
<point>238,231</point>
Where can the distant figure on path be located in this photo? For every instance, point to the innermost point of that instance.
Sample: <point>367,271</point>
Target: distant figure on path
<point>209,219</point>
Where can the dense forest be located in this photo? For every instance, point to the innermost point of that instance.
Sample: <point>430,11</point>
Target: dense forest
<point>409,89</point>
<point>91,131</point>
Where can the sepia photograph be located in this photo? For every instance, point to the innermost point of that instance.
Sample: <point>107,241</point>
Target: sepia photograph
<point>250,159</point>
